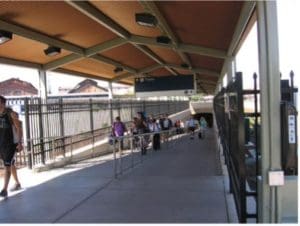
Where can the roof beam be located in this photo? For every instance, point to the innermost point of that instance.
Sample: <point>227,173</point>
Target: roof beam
<point>246,12</point>
<point>99,48</point>
<point>87,53</point>
<point>95,14</point>
<point>164,27</point>
<point>113,62</point>
<point>92,12</point>
<point>80,74</point>
<point>195,70</point>
<point>158,66</point>
<point>186,48</point>
<point>140,72</point>
<point>37,36</point>
<point>62,61</point>
<point>20,63</point>
<point>154,57</point>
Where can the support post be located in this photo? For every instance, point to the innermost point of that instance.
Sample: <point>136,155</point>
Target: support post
<point>43,84</point>
<point>268,197</point>
<point>230,69</point>
<point>110,98</point>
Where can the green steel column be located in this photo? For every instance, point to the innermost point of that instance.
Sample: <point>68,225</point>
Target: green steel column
<point>268,197</point>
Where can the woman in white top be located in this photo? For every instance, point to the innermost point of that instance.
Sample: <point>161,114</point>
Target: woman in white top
<point>154,127</point>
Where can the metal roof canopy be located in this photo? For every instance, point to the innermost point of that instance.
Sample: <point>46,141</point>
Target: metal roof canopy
<point>97,36</point>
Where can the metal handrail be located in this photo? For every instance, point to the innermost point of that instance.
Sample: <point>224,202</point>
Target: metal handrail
<point>117,162</point>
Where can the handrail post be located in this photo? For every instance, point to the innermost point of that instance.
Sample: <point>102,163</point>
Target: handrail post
<point>120,156</point>
<point>115,158</point>
<point>131,149</point>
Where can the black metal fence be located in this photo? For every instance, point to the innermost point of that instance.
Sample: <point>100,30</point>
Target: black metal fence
<point>239,130</point>
<point>55,128</point>
<point>230,116</point>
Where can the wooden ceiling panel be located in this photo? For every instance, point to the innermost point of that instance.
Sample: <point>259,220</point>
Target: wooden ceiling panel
<point>208,78</point>
<point>92,67</point>
<point>210,63</point>
<point>160,72</point>
<point>169,56</point>
<point>55,18</point>
<point>123,12</point>
<point>183,72</point>
<point>207,23</point>
<point>23,49</point>
<point>129,55</point>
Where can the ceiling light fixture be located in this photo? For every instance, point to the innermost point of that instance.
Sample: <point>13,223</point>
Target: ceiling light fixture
<point>145,19</point>
<point>5,36</point>
<point>185,65</point>
<point>163,39</point>
<point>52,51</point>
<point>118,69</point>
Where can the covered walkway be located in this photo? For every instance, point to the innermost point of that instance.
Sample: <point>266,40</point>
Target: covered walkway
<point>181,183</point>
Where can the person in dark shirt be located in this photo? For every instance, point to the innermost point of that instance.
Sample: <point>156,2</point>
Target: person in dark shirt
<point>8,120</point>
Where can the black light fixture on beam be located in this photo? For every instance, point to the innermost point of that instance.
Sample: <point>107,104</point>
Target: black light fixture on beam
<point>5,36</point>
<point>118,70</point>
<point>185,65</point>
<point>163,40</point>
<point>52,51</point>
<point>145,19</point>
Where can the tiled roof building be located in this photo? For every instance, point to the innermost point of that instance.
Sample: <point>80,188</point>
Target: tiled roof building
<point>17,87</point>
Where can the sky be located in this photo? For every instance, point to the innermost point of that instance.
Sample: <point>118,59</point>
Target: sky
<point>246,59</point>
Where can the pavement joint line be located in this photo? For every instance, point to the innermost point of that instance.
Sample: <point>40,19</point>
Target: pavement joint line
<point>83,201</point>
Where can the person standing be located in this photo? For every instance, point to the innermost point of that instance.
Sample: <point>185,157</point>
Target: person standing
<point>203,126</point>
<point>8,120</point>
<point>119,129</point>
<point>141,126</point>
<point>154,127</point>
<point>191,125</point>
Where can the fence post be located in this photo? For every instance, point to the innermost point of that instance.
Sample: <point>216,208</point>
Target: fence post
<point>61,122</point>
<point>27,123</point>
<point>41,130</point>
<point>110,106</point>
<point>119,107</point>
<point>92,123</point>
<point>131,108</point>
<point>144,106</point>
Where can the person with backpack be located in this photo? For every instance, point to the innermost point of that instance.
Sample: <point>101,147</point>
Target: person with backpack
<point>118,130</point>
<point>142,128</point>
<point>8,148</point>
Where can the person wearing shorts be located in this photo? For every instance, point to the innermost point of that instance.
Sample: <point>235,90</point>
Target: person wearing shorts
<point>8,120</point>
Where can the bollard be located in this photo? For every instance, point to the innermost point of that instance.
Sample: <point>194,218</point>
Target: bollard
<point>141,146</point>
<point>131,149</point>
<point>115,159</point>
<point>120,158</point>
<point>53,149</point>
<point>71,146</point>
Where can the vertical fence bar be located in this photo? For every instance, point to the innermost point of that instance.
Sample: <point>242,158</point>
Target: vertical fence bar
<point>41,130</point>
<point>256,138</point>
<point>115,159</point>
<point>120,157</point>
<point>131,149</point>
<point>92,123</point>
<point>292,86</point>
<point>28,136</point>
<point>62,127</point>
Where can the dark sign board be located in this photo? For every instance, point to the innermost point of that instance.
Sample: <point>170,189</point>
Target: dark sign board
<point>164,83</point>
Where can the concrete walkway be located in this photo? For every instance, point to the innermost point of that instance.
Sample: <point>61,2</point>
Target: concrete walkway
<point>181,184</point>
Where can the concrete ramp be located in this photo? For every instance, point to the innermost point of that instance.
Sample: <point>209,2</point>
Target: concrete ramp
<point>179,184</point>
